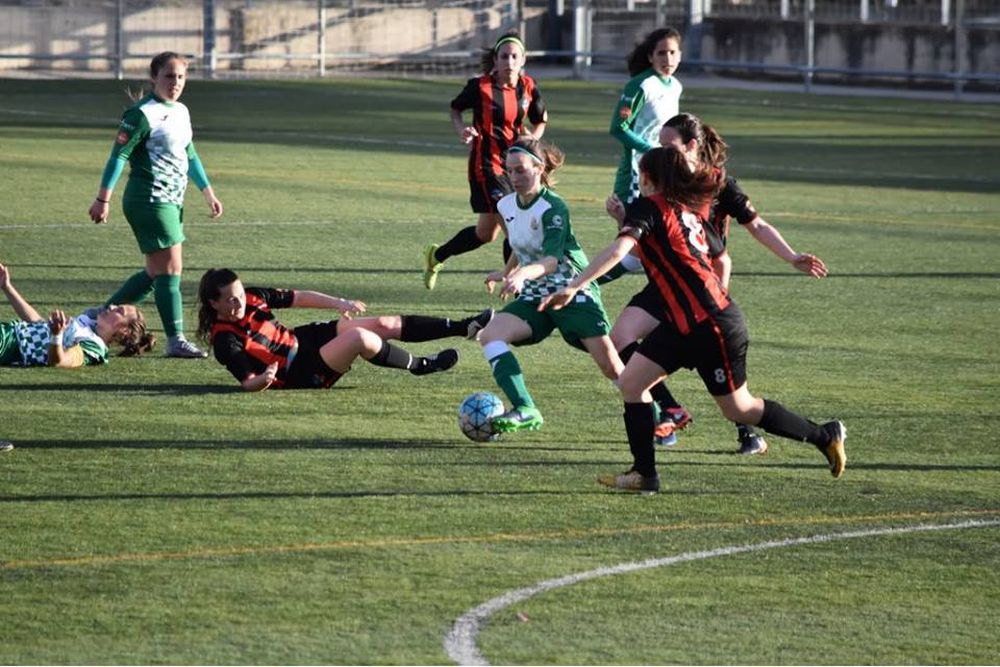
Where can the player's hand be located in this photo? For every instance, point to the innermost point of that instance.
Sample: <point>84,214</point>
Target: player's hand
<point>57,321</point>
<point>810,264</point>
<point>492,278</point>
<point>99,212</point>
<point>214,205</point>
<point>349,307</point>
<point>615,208</point>
<point>557,300</point>
<point>512,286</point>
<point>468,134</point>
<point>4,278</point>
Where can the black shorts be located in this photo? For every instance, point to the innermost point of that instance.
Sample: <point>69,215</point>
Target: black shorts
<point>308,370</point>
<point>649,300</point>
<point>716,348</point>
<point>486,192</point>
<point>717,237</point>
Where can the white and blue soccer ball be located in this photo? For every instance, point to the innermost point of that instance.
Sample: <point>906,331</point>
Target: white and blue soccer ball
<point>476,413</point>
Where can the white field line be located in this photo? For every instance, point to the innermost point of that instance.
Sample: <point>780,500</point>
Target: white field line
<point>460,642</point>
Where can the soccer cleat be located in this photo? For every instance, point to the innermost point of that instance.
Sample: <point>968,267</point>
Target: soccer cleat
<point>6,446</point>
<point>680,417</point>
<point>751,443</point>
<point>518,419</point>
<point>436,363</point>
<point>184,349</point>
<point>631,481</point>
<point>479,322</point>
<point>431,266</point>
<point>834,452</point>
<point>665,434</point>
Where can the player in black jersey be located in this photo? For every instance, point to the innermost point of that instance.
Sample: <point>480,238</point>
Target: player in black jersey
<point>502,99</point>
<point>701,328</point>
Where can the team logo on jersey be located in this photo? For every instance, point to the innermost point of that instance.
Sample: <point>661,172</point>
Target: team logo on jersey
<point>534,224</point>
<point>122,138</point>
<point>557,221</point>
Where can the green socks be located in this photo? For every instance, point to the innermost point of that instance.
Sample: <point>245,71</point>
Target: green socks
<point>167,292</point>
<point>134,290</point>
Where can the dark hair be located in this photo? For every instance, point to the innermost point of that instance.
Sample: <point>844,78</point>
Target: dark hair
<point>135,339</point>
<point>638,59</point>
<point>209,289</point>
<point>712,150</point>
<point>675,179</point>
<point>551,156</point>
<point>488,59</point>
<point>155,65</point>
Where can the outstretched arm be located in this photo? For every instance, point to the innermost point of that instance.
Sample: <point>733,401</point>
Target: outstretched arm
<point>601,264</point>
<point>309,299</point>
<point>23,309</point>
<point>771,238</point>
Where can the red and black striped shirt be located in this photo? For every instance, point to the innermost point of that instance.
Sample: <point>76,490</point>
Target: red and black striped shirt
<point>258,339</point>
<point>498,114</point>
<point>674,252</point>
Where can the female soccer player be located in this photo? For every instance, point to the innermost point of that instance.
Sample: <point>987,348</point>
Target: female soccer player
<point>501,100</point>
<point>545,257</point>
<point>155,138</point>
<point>68,342</point>
<point>701,327</point>
<point>650,97</point>
<point>262,353</point>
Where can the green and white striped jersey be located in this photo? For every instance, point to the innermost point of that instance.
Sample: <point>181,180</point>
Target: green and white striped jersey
<point>155,136</point>
<point>542,229</point>
<point>647,102</point>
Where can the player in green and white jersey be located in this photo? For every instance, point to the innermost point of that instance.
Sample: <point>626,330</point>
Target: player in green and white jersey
<point>155,138</point>
<point>546,256</point>
<point>650,97</point>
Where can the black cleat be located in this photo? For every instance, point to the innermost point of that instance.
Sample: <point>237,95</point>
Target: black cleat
<point>436,363</point>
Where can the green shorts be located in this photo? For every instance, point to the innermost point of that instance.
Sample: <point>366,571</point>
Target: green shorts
<point>156,226</point>
<point>584,318</point>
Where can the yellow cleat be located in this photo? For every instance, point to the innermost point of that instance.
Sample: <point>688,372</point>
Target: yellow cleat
<point>431,266</point>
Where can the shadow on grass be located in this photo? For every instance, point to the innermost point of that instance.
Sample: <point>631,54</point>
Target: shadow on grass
<point>165,388</point>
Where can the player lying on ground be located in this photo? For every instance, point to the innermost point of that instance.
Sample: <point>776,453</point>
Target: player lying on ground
<point>68,342</point>
<point>701,327</point>
<point>262,352</point>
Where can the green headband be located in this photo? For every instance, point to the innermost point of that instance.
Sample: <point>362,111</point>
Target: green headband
<point>522,149</point>
<point>504,40</point>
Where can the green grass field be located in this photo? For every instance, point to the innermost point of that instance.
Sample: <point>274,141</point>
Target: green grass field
<point>151,513</point>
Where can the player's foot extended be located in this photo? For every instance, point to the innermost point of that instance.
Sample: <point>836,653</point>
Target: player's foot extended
<point>431,266</point>
<point>679,416</point>
<point>751,444</point>
<point>632,481</point>
<point>665,435</point>
<point>184,349</point>
<point>834,452</point>
<point>518,419</point>
<point>478,323</point>
<point>436,363</point>
<point>6,446</point>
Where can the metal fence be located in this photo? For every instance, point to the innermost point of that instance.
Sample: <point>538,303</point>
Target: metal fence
<point>952,41</point>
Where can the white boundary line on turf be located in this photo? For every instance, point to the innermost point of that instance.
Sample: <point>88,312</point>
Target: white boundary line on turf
<point>460,642</point>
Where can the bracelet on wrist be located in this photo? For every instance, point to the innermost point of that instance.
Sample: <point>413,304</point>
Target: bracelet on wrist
<point>103,201</point>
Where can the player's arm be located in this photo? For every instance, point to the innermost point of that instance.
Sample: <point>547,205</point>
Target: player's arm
<point>623,118</point>
<point>134,129</point>
<point>260,381</point>
<point>59,357</point>
<point>24,310</point>
<point>229,352</point>
<point>310,299</point>
<point>494,277</point>
<point>538,114</point>
<point>769,237</point>
<point>600,265</point>
<point>196,172</point>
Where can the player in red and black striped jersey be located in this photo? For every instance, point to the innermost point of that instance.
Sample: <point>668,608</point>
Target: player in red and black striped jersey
<point>701,327</point>
<point>504,100</point>
<point>261,352</point>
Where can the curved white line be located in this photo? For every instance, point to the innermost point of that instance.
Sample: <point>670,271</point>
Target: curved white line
<point>460,643</point>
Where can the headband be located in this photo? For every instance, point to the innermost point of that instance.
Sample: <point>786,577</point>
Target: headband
<point>522,149</point>
<point>508,38</point>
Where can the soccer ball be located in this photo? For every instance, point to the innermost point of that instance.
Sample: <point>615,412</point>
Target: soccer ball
<point>476,413</point>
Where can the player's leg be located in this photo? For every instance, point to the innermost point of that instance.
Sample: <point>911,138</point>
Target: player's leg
<point>640,423</point>
<point>165,266</point>
<point>505,329</point>
<point>420,328</point>
<point>743,408</point>
<point>355,342</point>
